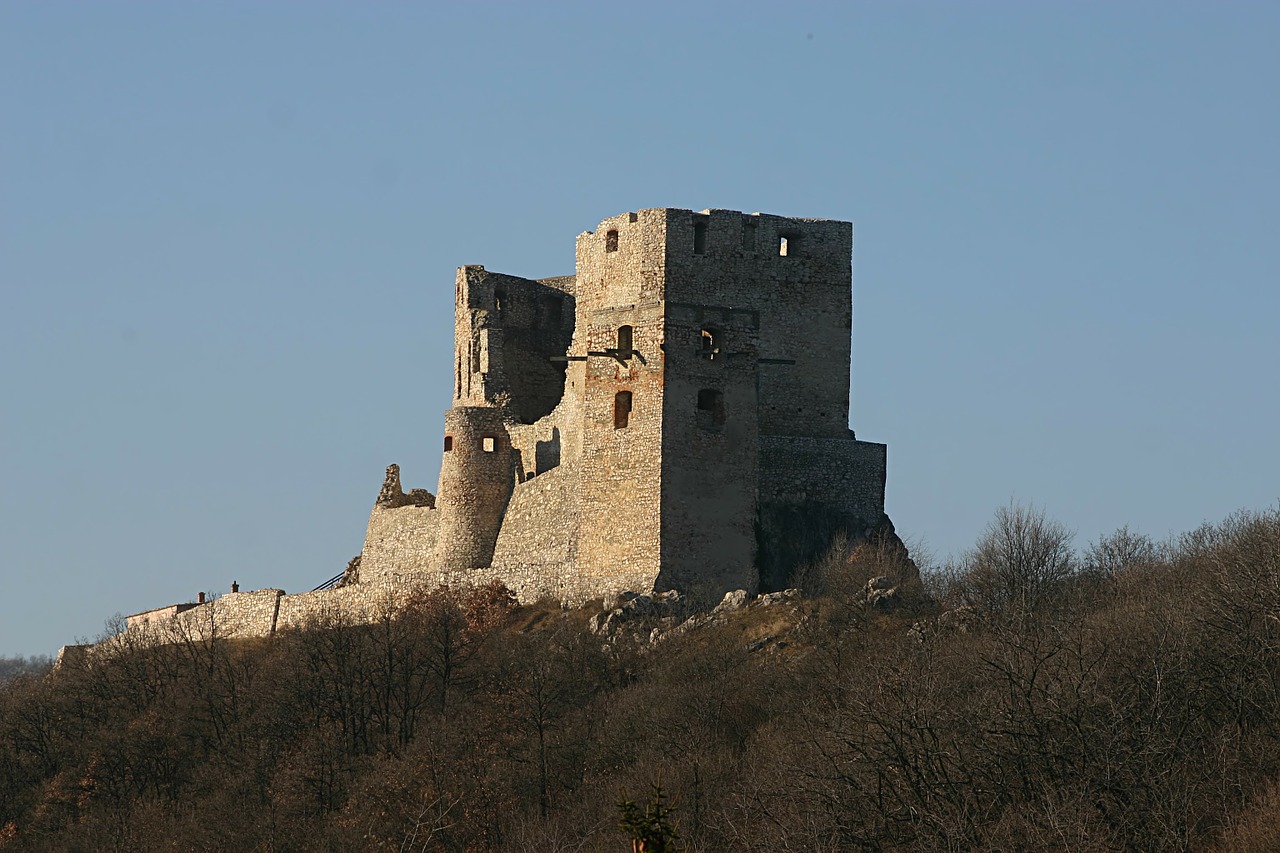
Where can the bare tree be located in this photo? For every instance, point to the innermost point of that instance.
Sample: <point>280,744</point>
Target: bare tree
<point>1120,550</point>
<point>1020,562</point>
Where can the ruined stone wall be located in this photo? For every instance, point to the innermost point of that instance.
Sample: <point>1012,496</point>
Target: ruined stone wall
<point>264,612</point>
<point>540,527</point>
<point>362,603</point>
<point>538,447</point>
<point>392,493</point>
<point>246,614</point>
<point>397,540</point>
<point>473,303</point>
<point>507,330</point>
<point>538,551</point>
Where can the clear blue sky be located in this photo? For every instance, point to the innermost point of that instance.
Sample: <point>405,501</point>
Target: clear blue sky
<point>228,233</point>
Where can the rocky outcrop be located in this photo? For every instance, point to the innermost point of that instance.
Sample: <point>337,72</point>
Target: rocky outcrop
<point>654,617</point>
<point>631,610</point>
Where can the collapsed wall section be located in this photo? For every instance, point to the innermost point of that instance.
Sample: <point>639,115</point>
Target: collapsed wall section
<point>508,331</point>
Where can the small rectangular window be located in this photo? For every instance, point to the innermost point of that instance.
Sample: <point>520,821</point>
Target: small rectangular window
<point>788,245</point>
<point>710,344</point>
<point>624,341</point>
<point>488,444</point>
<point>622,410</point>
<point>700,237</point>
<point>611,241</point>
<point>448,443</point>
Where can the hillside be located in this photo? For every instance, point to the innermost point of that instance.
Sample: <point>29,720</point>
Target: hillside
<point>1027,697</point>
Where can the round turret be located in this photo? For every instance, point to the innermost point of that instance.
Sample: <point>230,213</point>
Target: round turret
<point>476,479</point>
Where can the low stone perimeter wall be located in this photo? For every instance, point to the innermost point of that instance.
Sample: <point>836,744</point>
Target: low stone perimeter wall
<point>263,612</point>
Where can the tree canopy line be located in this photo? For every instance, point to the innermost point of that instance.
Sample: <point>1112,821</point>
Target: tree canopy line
<point>34,665</point>
<point>1031,696</point>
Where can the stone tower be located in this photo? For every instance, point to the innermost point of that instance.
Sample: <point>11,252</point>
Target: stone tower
<point>476,479</point>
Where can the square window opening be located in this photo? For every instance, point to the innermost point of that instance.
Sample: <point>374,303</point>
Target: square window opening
<point>488,444</point>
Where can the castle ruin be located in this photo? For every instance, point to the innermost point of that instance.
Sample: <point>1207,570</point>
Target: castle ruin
<point>673,416</point>
<point>667,418</point>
